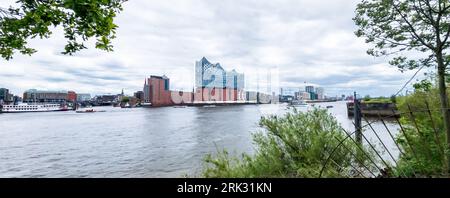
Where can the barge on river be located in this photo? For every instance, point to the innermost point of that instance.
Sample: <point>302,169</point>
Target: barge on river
<point>374,109</point>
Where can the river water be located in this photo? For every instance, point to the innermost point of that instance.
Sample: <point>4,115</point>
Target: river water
<point>140,142</point>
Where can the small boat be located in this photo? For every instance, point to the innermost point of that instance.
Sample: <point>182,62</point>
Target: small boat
<point>88,111</point>
<point>126,105</point>
<point>209,106</point>
<point>146,104</point>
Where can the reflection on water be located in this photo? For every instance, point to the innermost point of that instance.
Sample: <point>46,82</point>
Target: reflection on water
<point>141,142</point>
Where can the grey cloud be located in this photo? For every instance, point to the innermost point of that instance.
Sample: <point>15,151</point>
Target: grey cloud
<point>55,79</point>
<point>113,65</point>
<point>90,74</point>
<point>307,40</point>
<point>11,75</point>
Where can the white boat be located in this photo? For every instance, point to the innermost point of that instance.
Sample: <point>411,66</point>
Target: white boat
<point>146,104</point>
<point>22,108</point>
<point>298,103</point>
<point>126,105</point>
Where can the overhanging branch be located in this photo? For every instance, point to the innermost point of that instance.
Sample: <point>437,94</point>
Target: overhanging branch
<point>411,27</point>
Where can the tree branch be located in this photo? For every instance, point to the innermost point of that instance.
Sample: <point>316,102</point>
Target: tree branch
<point>427,2</point>
<point>420,11</point>
<point>413,30</point>
<point>447,35</point>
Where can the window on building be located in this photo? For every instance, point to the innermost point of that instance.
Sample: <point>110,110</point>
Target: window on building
<point>166,84</point>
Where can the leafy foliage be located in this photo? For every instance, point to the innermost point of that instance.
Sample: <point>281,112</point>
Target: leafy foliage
<point>125,99</point>
<point>394,26</point>
<point>377,100</point>
<point>393,99</point>
<point>80,21</point>
<point>424,85</point>
<point>296,145</point>
<point>420,26</point>
<point>423,137</point>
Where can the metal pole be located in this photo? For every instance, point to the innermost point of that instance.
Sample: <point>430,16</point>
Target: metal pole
<point>357,116</point>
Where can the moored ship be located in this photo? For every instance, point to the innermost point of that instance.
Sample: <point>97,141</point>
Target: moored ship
<point>22,108</point>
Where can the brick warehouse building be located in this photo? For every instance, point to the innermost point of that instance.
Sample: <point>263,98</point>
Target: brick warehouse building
<point>216,94</point>
<point>71,96</point>
<point>157,91</point>
<point>55,97</point>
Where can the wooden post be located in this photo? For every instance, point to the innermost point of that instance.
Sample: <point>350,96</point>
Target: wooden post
<point>357,116</point>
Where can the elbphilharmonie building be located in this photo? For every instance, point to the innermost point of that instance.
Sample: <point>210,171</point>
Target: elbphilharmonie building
<point>208,75</point>
<point>211,78</point>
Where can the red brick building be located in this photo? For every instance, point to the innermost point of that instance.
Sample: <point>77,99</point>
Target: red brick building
<point>182,97</point>
<point>71,96</point>
<point>216,94</point>
<point>159,93</point>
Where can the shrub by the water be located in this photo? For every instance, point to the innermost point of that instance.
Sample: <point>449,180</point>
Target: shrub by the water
<point>423,138</point>
<point>295,145</point>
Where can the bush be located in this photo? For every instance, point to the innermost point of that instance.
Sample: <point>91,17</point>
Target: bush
<point>296,145</point>
<point>423,146</point>
<point>378,100</point>
<point>125,99</point>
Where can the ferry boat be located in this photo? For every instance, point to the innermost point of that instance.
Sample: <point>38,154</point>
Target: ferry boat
<point>21,108</point>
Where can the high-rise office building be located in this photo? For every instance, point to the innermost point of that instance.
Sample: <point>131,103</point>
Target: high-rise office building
<point>156,91</point>
<point>309,89</point>
<point>5,96</point>
<point>320,93</point>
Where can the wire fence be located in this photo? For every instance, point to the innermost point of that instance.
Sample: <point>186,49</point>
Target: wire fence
<point>374,158</point>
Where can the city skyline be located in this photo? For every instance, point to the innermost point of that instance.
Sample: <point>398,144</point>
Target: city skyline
<point>306,41</point>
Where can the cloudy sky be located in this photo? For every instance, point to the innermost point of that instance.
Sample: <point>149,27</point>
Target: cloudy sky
<point>304,40</point>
